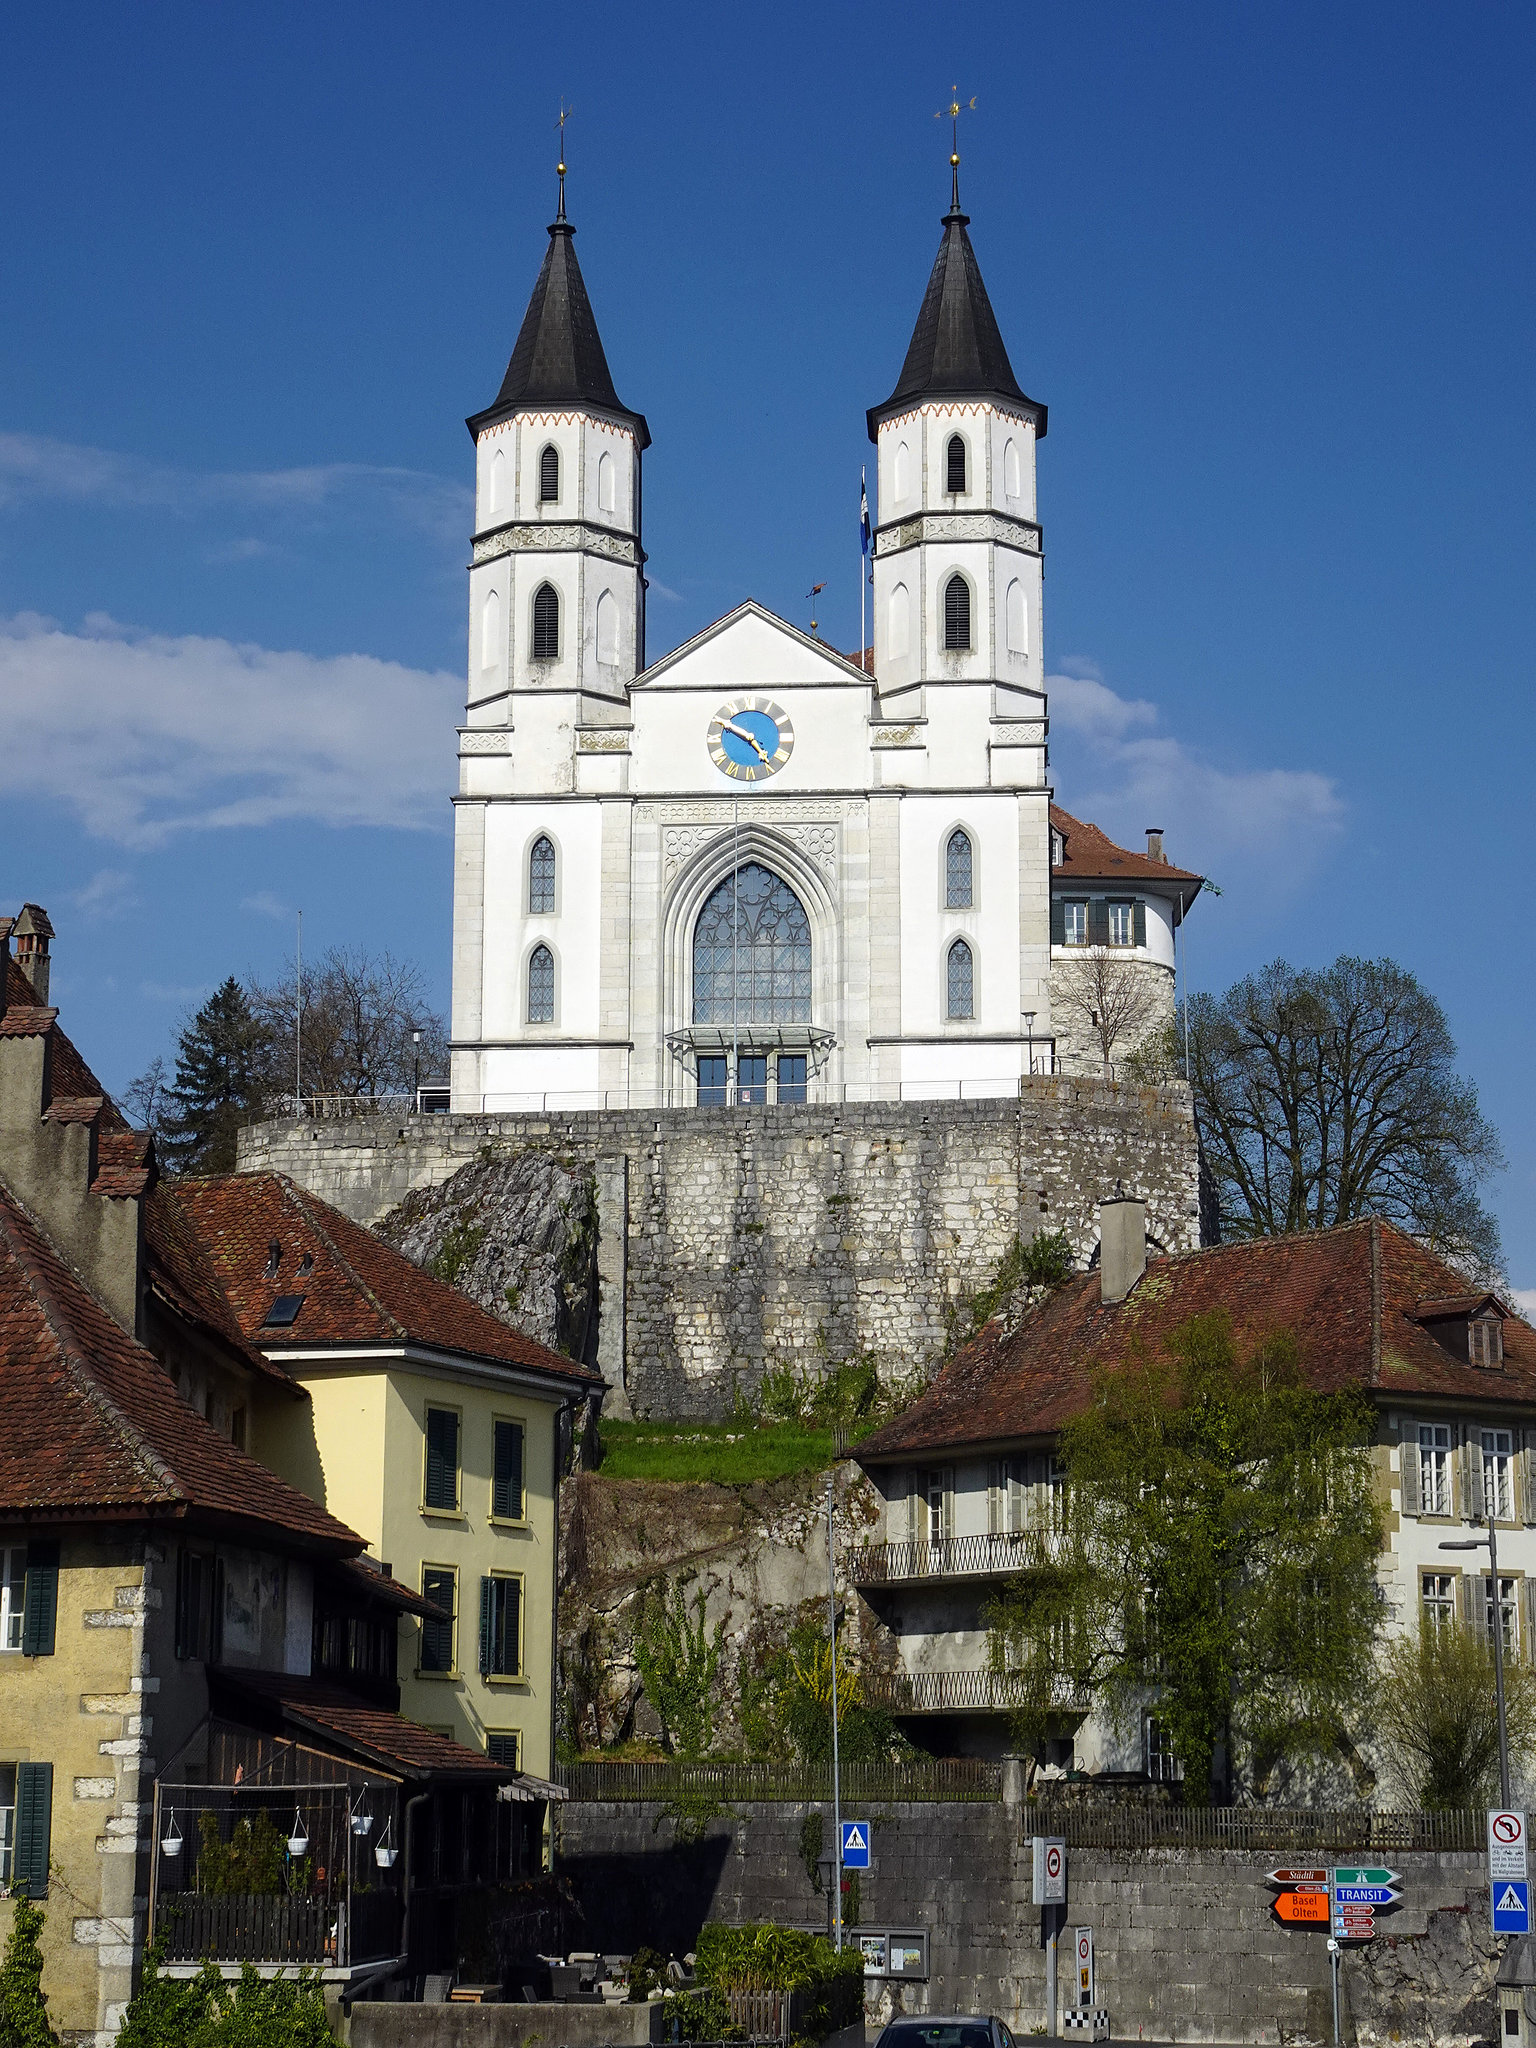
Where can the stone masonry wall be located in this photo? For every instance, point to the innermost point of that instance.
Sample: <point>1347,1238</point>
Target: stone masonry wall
<point>731,1241</point>
<point>1186,1944</point>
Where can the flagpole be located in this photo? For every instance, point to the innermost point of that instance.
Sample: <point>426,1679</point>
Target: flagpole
<point>862,643</point>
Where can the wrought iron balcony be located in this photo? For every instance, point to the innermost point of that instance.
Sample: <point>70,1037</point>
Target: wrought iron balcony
<point>955,1557</point>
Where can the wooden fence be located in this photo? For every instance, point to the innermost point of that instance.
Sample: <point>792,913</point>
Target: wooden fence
<point>1300,1830</point>
<point>958,1778</point>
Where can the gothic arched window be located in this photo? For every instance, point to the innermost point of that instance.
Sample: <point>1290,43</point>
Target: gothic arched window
<point>960,982</point>
<point>957,871</point>
<point>752,952</point>
<point>954,466</point>
<point>546,623</point>
<point>541,986</point>
<point>549,475</point>
<point>606,485</point>
<point>541,878</point>
<point>957,614</point>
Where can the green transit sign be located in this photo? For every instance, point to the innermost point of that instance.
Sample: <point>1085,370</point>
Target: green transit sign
<point>1365,1876</point>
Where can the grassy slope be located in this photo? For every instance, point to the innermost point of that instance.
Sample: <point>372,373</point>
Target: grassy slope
<point>729,1453</point>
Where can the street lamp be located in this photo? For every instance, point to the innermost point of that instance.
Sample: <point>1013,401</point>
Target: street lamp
<point>1029,1029</point>
<point>416,1082</point>
<point>1490,1543</point>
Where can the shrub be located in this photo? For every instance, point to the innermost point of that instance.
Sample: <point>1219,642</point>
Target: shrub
<point>204,2012</point>
<point>23,2002</point>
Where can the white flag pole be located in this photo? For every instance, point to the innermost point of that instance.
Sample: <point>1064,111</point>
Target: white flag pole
<point>863,495</point>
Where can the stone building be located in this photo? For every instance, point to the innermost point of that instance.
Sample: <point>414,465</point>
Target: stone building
<point>758,870</point>
<point>971,1485</point>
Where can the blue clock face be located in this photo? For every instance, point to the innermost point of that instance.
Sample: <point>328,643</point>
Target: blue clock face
<point>751,739</point>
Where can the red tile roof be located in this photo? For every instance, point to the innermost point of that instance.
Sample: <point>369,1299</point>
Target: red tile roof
<point>1005,1388</point>
<point>359,1290</point>
<point>312,1707</point>
<point>1092,856</point>
<point>93,1427</point>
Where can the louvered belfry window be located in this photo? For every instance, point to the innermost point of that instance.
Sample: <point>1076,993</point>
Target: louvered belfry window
<point>546,623</point>
<point>957,871</point>
<point>957,613</point>
<point>549,476</point>
<point>954,466</point>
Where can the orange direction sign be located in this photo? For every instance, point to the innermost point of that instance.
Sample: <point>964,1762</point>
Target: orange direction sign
<point>1309,1909</point>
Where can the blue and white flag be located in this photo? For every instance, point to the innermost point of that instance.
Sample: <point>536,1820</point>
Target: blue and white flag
<point>864,532</point>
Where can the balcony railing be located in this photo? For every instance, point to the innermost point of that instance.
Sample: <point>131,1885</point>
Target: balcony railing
<point>957,1692</point>
<point>954,1557</point>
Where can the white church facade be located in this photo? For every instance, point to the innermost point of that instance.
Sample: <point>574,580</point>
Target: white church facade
<point>758,870</point>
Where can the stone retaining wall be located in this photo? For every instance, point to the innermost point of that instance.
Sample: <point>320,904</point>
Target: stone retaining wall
<point>1187,1945</point>
<point>732,1241</point>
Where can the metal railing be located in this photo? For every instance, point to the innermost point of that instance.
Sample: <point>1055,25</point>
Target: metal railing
<point>955,1557</point>
<point>958,1692</point>
<point>954,1778</point>
<point>1087,1823</point>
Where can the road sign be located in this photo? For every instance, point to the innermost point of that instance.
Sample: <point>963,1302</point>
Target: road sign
<point>1506,1845</point>
<point>1362,1928</point>
<point>1293,1877</point>
<point>1308,1909</point>
<point>856,1845</point>
<point>1050,1855</point>
<point>1364,1895</point>
<point>1084,1936</point>
<point>1511,1898</point>
<point>1373,1875</point>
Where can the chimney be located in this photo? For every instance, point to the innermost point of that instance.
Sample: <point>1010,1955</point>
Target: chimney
<point>1122,1245</point>
<point>1155,842</point>
<point>33,931</point>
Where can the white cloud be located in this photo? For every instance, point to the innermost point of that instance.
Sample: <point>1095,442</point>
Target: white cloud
<point>146,735</point>
<point>1114,765</point>
<point>1524,1299</point>
<point>34,466</point>
<point>109,892</point>
<point>265,904</point>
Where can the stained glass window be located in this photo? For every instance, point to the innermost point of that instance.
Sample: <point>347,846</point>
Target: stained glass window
<point>957,871</point>
<point>541,877</point>
<point>541,986</point>
<point>752,953</point>
<point>961,991</point>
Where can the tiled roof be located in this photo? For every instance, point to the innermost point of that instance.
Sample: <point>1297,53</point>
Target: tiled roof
<point>359,1289</point>
<point>1316,1284</point>
<point>92,1425</point>
<point>372,1733</point>
<point>183,1275</point>
<point>1092,856</point>
<point>365,1580</point>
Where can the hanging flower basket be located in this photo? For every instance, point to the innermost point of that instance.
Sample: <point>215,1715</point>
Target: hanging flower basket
<point>170,1841</point>
<point>298,1841</point>
<point>384,1855</point>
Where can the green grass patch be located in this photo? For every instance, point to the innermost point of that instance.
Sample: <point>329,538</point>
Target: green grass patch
<point>730,1453</point>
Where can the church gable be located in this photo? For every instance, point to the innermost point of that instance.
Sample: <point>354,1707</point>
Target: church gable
<point>750,648</point>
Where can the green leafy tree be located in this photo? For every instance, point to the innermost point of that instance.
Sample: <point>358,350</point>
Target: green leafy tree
<point>1213,1553</point>
<point>221,1058</point>
<point>166,2010</point>
<point>679,1660</point>
<point>23,2001</point>
<point>1437,1719</point>
<point>1325,1095</point>
<point>204,2012</point>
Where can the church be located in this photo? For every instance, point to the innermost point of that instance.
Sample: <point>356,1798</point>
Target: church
<point>757,870</point>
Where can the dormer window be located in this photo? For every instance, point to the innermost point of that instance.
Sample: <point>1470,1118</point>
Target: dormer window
<point>1058,849</point>
<point>1485,1340</point>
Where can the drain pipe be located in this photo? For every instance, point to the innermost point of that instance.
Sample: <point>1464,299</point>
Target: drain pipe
<point>420,1799</point>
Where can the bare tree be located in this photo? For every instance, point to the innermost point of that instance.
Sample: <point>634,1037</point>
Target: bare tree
<point>146,1100</point>
<point>1110,996</point>
<point>1325,1095</point>
<point>361,1011</point>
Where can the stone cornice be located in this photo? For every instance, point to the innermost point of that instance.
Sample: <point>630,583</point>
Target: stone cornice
<point>564,536</point>
<point>1001,527</point>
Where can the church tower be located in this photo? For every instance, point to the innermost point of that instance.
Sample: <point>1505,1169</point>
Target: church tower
<point>556,587</point>
<point>958,569</point>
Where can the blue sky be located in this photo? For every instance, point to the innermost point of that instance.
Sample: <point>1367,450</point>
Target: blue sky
<point>1269,266</point>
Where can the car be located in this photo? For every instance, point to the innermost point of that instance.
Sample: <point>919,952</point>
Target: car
<point>946,2030</point>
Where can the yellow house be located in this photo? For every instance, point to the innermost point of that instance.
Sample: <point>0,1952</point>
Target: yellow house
<point>432,1428</point>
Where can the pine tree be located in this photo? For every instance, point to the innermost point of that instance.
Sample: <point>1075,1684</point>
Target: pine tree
<point>23,2002</point>
<point>221,1059</point>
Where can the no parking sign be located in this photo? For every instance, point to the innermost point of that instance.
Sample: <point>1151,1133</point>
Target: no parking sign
<point>1084,1965</point>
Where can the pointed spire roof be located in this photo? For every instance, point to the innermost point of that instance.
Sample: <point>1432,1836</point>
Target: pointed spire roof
<point>956,350</point>
<point>558,360</point>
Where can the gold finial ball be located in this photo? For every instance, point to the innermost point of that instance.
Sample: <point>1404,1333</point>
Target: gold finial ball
<point>561,169</point>
<point>955,158</point>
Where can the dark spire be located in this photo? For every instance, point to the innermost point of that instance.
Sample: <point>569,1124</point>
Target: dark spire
<point>956,350</point>
<point>558,359</point>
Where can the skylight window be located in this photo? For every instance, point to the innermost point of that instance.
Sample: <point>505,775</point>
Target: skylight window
<point>283,1312</point>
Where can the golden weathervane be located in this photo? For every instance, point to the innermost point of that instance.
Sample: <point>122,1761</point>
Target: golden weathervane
<point>952,114</point>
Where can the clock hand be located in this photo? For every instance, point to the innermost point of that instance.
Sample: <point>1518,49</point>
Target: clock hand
<point>740,732</point>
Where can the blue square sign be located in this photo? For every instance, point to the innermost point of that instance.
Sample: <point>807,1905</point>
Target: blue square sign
<point>1511,1905</point>
<point>855,1845</point>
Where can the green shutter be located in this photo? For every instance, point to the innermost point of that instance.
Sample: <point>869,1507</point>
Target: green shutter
<point>442,1486</point>
<point>437,1636</point>
<point>40,1602</point>
<point>487,1600</point>
<point>1098,921</point>
<point>34,1829</point>
<point>507,1481</point>
<point>1139,923</point>
<point>1058,922</point>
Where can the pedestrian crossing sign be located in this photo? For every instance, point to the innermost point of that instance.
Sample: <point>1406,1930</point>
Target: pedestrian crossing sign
<point>855,1845</point>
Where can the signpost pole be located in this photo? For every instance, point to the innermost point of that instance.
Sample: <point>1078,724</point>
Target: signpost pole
<point>1051,2027</point>
<point>1498,1659</point>
<point>837,1797</point>
<point>1333,1957</point>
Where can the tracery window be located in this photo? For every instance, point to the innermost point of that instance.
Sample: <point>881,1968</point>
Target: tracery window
<point>752,952</point>
<point>960,977</point>
<point>957,871</point>
<point>541,986</point>
<point>541,877</point>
